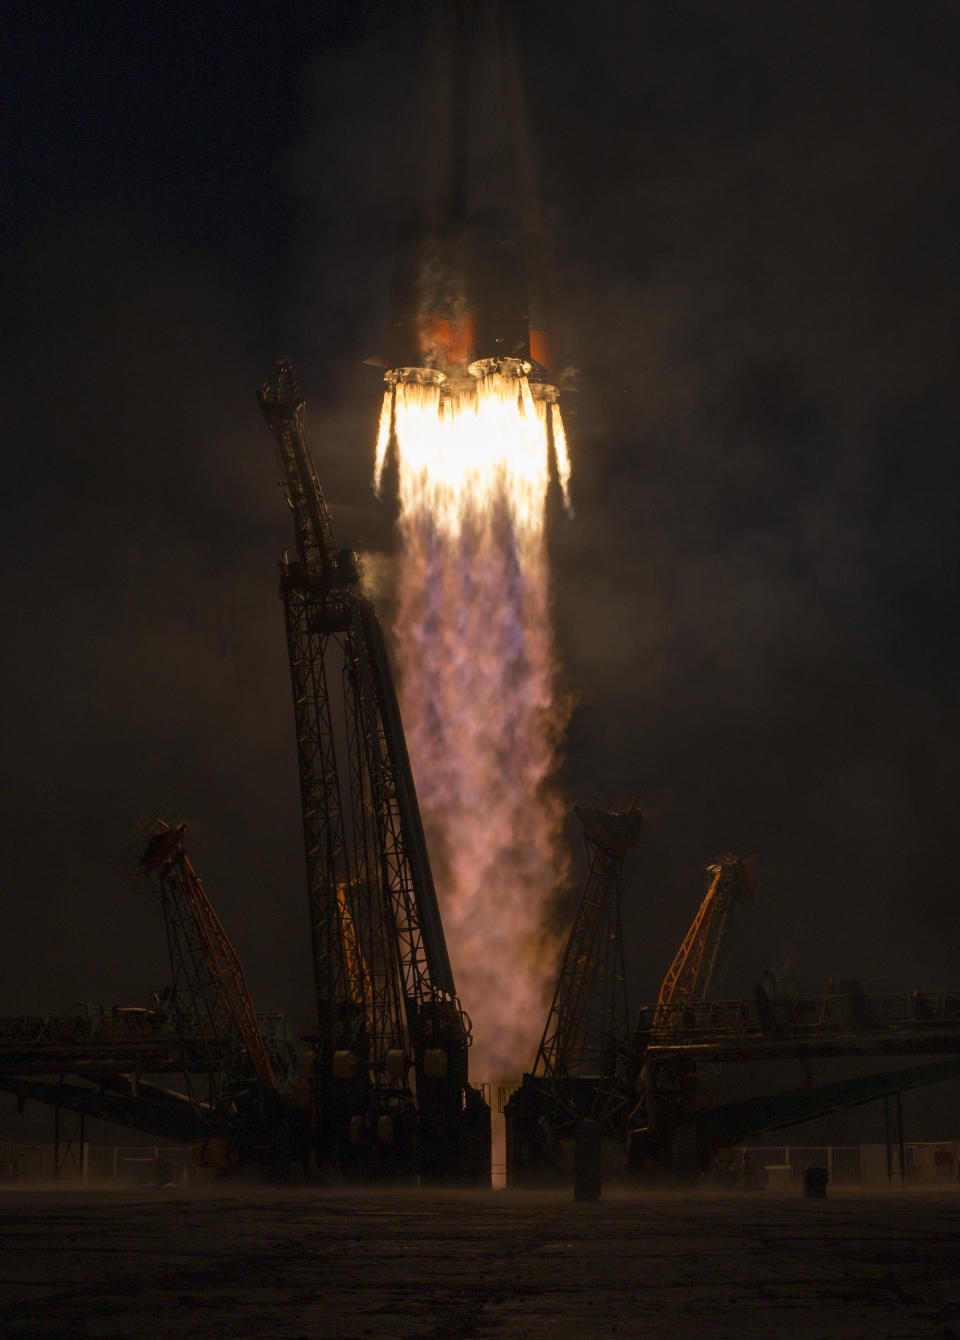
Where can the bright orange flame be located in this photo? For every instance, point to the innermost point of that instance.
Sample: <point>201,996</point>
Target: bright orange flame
<point>478,688</point>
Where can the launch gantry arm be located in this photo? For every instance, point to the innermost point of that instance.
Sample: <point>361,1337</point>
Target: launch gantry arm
<point>665,1089</point>
<point>203,1028</point>
<point>210,996</point>
<point>384,986</point>
<point>587,1029</point>
<point>582,1065</point>
<point>698,966</point>
<point>283,408</point>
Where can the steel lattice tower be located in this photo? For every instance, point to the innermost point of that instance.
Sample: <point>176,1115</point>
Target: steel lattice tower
<point>209,998</point>
<point>385,995</point>
<point>588,1029</point>
<point>698,970</point>
<point>582,1062</point>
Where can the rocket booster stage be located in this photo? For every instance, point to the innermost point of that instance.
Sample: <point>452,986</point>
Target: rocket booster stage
<point>469,283</point>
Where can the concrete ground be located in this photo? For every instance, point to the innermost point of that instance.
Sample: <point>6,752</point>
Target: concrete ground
<point>477,1266</point>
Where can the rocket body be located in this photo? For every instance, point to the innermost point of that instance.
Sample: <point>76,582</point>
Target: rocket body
<point>469,276</point>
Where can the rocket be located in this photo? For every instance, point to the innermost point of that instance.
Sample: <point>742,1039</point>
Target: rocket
<point>469,292</point>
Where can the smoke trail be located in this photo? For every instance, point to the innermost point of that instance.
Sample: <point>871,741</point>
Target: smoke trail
<point>478,688</point>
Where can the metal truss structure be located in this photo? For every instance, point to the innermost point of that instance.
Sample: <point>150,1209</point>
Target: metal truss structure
<point>587,1032</point>
<point>392,1039</point>
<point>202,1029</point>
<point>652,1100</point>
<point>698,970</point>
<point>699,967</point>
<point>675,1129</point>
<point>781,1028</point>
<point>97,1039</point>
<point>580,1071</point>
<point>208,998</point>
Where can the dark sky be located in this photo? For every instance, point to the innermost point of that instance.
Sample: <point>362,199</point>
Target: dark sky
<point>752,212</point>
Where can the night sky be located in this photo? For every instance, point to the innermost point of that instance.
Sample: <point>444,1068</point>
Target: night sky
<point>752,219</point>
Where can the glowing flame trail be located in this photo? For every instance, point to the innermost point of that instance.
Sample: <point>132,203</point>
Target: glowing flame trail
<point>478,687</point>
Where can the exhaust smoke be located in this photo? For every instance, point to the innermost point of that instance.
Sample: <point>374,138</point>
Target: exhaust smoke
<point>478,678</point>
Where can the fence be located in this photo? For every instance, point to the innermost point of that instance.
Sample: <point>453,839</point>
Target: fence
<point>841,1161</point>
<point>124,1164</point>
<point>925,1161</point>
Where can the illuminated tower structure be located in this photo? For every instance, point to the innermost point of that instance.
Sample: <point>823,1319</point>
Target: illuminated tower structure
<point>390,1077</point>
<point>208,1001</point>
<point>699,967</point>
<point>697,973</point>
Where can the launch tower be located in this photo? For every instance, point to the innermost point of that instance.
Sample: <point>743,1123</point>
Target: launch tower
<point>391,1084</point>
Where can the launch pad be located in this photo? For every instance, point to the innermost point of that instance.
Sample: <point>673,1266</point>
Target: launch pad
<point>380,1092</point>
<point>501,1266</point>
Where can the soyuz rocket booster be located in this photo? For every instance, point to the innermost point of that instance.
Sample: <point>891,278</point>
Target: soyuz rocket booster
<point>469,284</point>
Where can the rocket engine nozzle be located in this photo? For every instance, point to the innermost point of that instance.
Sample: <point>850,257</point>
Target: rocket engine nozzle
<point>506,367</point>
<point>451,385</point>
<point>418,376</point>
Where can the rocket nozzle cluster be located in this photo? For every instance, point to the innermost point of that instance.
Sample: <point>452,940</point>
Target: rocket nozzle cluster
<point>464,381</point>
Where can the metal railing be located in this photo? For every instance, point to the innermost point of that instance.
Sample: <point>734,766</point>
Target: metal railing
<point>138,1165</point>
<point>907,1011</point>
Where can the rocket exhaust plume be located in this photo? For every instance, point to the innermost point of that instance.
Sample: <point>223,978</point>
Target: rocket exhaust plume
<point>478,679</point>
<point>472,417</point>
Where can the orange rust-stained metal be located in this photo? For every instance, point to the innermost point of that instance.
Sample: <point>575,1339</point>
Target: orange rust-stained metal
<point>541,348</point>
<point>228,973</point>
<point>358,979</point>
<point>166,851</point>
<point>694,969</point>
